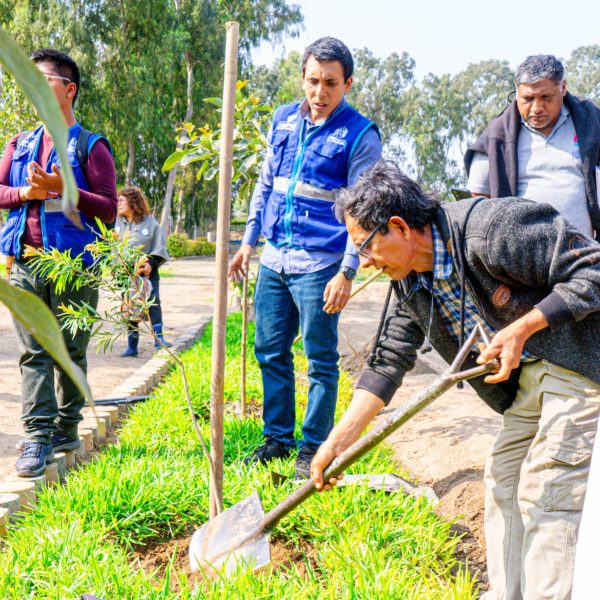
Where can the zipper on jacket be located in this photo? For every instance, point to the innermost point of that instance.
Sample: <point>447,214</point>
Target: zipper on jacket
<point>43,206</point>
<point>289,197</point>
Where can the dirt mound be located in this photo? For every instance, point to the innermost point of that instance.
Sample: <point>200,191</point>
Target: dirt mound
<point>154,557</point>
<point>461,497</point>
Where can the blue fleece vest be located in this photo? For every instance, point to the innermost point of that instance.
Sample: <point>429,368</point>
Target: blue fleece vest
<point>57,231</point>
<point>307,170</point>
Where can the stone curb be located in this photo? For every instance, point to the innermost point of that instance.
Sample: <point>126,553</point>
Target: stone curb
<point>20,493</point>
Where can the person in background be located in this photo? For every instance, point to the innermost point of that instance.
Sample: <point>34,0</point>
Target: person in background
<point>30,187</point>
<point>544,147</point>
<point>315,146</point>
<point>140,228</point>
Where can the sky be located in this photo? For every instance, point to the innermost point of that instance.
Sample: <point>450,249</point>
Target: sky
<point>445,36</point>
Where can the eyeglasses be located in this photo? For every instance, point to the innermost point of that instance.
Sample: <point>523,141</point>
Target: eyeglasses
<point>362,249</point>
<point>49,77</point>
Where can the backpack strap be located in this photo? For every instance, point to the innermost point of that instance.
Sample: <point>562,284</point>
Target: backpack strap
<point>82,147</point>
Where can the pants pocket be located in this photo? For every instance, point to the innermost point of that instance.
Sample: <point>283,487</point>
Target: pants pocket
<point>568,471</point>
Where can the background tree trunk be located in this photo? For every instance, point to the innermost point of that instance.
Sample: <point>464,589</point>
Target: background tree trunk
<point>189,67</point>
<point>130,160</point>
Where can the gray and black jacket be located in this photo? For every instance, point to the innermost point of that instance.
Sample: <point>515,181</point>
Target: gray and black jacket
<point>499,143</point>
<point>512,254</point>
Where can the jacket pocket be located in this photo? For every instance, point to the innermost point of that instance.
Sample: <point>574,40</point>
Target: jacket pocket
<point>279,144</point>
<point>318,226</point>
<point>69,237</point>
<point>568,471</point>
<point>7,234</point>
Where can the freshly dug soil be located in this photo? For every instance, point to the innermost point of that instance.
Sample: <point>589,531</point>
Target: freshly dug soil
<point>155,556</point>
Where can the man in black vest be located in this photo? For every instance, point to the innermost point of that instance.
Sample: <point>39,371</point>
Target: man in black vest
<point>544,147</point>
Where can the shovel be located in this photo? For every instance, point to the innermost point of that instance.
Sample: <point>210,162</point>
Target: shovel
<point>241,533</point>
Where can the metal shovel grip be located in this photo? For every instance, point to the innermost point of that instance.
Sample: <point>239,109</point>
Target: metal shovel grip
<point>385,428</point>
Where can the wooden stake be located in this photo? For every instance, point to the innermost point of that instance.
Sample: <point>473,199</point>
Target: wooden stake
<point>244,337</point>
<point>222,256</point>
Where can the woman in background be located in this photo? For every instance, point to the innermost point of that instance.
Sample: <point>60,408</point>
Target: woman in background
<point>141,228</point>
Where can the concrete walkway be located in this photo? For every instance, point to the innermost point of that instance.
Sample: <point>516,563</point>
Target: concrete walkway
<point>187,291</point>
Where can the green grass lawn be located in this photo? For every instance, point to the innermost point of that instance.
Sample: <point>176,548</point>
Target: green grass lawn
<point>154,486</point>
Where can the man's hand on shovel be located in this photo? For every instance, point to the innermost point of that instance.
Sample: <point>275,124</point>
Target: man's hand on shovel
<point>362,410</point>
<point>322,459</point>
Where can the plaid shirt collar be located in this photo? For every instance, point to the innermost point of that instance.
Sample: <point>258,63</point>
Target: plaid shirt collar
<point>442,261</point>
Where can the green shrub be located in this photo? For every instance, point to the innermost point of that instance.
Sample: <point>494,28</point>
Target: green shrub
<point>178,245</point>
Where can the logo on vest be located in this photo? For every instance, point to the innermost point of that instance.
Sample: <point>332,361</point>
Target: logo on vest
<point>288,125</point>
<point>501,296</point>
<point>337,137</point>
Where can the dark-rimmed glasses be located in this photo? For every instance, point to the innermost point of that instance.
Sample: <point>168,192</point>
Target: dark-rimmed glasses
<point>362,249</point>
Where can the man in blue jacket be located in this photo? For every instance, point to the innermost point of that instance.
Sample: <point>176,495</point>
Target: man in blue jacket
<point>30,188</point>
<point>316,146</point>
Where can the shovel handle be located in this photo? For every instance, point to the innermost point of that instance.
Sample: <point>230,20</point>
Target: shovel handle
<point>385,428</point>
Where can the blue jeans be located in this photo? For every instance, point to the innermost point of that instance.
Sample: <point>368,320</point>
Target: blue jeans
<point>282,303</point>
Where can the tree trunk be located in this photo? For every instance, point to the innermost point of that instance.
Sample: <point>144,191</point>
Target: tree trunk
<point>189,111</point>
<point>165,216</point>
<point>130,160</point>
<point>180,223</point>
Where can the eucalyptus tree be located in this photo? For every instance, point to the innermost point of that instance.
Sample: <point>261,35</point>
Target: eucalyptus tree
<point>379,89</point>
<point>582,70</point>
<point>145,65</point>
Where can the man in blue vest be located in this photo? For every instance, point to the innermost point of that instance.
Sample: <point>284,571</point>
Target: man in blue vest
<point>316,146</point>
<point>30,188</point>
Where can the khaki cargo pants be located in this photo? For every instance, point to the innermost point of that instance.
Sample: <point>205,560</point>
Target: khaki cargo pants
<point>536,479</point>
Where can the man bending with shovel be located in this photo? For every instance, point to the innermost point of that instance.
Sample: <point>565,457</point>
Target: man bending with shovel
<point>530,279</point>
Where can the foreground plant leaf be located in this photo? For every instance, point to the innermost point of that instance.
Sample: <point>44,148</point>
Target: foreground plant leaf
<point>33,313</point>
<point>34,85</point>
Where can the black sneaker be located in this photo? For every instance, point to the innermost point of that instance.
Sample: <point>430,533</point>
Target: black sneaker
<point>62,442</point>
<point>303,461</point>
<point>33,459</point>
<point>268,451</point>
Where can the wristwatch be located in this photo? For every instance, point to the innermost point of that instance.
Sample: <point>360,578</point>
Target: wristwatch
<point>348,272</point>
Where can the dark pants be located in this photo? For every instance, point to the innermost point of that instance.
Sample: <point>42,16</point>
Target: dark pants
<point>45,409</point>
<point>155,310</point>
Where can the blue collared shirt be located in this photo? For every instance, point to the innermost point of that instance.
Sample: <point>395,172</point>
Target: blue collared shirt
<point>297,260</point>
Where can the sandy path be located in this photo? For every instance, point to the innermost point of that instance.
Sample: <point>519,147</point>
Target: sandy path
<point>186,293</point>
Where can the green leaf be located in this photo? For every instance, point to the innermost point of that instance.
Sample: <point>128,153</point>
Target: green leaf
<point>33,314</point>
<point>173,159</point>
<point>35,86</point>
<point>193,157</point>
<point>215,101</point>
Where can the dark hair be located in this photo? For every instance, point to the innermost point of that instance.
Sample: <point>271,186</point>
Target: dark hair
<point>538,68</point>
<point>329,48</point>
<point>382,192</point>
<point>137,202</point>
<point>62,63</point>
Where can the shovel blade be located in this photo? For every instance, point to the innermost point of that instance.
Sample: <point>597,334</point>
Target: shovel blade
<point>223,542</point>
